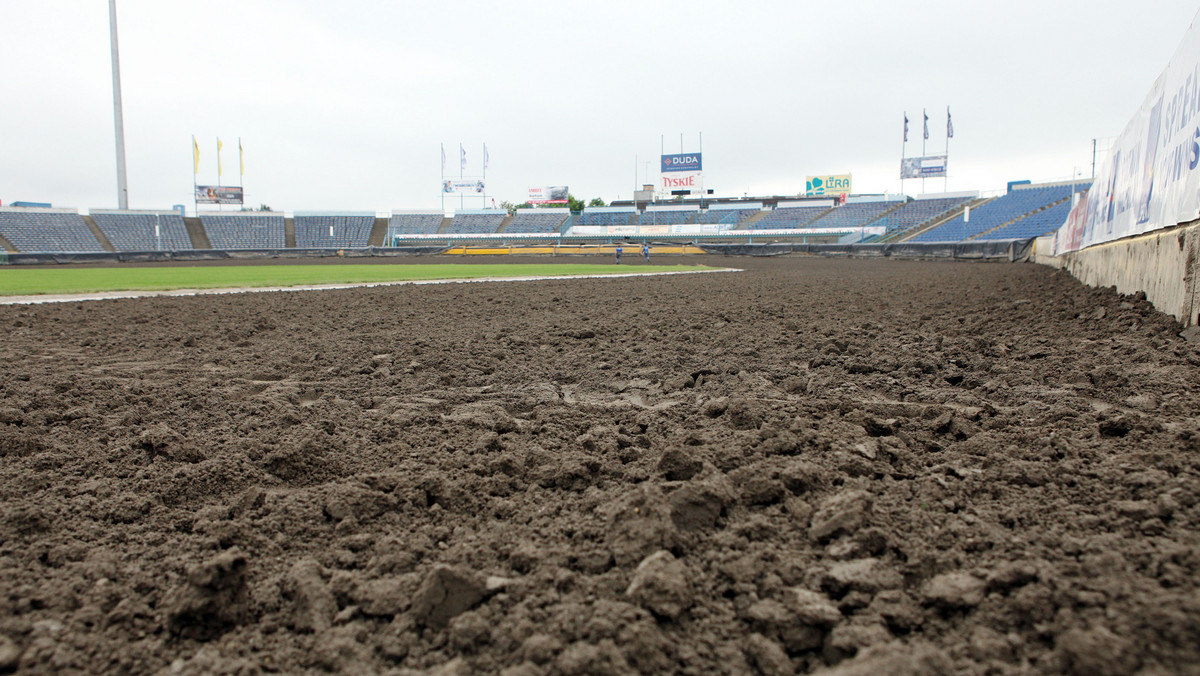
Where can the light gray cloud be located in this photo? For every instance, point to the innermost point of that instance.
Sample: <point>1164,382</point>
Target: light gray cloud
<point>344,105</point>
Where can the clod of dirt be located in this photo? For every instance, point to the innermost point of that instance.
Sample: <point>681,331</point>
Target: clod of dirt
<point>896,659</point>
<point>446,592</point>
<point>766,657</point>
<point>1096,652</point>
<point>696,506</point>
<point>640,525</point>
<point>679,464</point>
<point>954,590</point>
<point>311,603</point>
<point>864,575</point>
<point>744,414</point>
<point>847,640</point>
<point>660,585</point>
<point>842,513</point>
<point>213,600</point>
<point>160,441</point>
<point>10,654</point>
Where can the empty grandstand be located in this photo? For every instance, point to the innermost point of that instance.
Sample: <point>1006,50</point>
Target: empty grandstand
<point>245,231</point>
<point>1018,203</point>
<point>729,214</point>
<point>856,214</point>
<point>669,215</point>
<point>414,223</point>
<point>143,230</point>
<point>607,216</point>
<point>790,215</point>
<point>1033,225</point>
<point>333,231</point>
<point>46,230</point>
<point>538,220</point>
<point>481,222</point>
<point>923,210</point>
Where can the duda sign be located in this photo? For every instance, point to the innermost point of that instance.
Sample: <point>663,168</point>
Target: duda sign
<point>681,162</point>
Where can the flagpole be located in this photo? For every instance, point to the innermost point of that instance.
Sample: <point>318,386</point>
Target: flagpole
<point>219,207</point>
<point>924,139</point>
<point>484,179</point>
<point>442,187</point>
<point>949,133</point>
<point>903,151</point>
<point>461,153</point>
<point>195,168</point>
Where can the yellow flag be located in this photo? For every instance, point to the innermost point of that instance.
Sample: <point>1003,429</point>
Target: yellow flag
<point>219,146</point>
<point>241,158</point>
<point>195,156</point>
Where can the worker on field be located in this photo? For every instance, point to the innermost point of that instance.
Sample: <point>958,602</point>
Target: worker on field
<point>619,251</point>
<point>646,252</point>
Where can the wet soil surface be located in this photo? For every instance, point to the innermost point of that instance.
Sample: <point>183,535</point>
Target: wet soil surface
<point>863,466</point>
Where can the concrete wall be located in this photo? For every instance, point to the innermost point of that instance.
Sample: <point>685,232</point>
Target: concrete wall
<point>1162,264</point>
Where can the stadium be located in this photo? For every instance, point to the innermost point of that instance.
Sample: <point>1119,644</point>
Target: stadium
<point>853,432</point>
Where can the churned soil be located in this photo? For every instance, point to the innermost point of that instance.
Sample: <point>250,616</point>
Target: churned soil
<point>864,466</point>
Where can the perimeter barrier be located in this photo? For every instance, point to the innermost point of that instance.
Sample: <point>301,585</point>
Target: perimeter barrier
<point>214,254</point>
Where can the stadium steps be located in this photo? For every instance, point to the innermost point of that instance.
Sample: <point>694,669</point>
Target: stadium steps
<point>446,221</point>
<point>753,219</point>
<point>197,233</point>
<point>886,212</point>
<point>289,233</point>
<point>1018,218</point>
<point>378,232</point>
<point>905,235</point>
<point>8,246</point>
<point>504,224</point>
<point>97,233</point>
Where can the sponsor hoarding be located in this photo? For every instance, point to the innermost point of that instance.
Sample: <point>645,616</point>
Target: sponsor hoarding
<point>681,162</point>
<point>930,166</point>
<point>551,195</point>
<point>218,194</point>
<point>468,186</point>
<point>1151,177</point>
<point>830,184</point>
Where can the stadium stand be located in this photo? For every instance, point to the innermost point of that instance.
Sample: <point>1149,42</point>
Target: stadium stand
<point>607,216</point>
<point>245,231</point>
<point>482,222</point>
<point>1033,225</point>
<point>668,216</point>
<point>46,230</point>
<point>414,223</point>
<point>731,216</point>
<point>852,215</point>
<point>332,231</point>
<point>788,217</point>
<point>136,230</point>
<point>921,211</point>
<point>538,220</point>
<point>1015,205</point>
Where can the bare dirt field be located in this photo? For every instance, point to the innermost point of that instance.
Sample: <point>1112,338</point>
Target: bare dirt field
<point>872,467</point>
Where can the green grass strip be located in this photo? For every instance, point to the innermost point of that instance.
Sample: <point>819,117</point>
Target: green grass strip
<point>35,281</point>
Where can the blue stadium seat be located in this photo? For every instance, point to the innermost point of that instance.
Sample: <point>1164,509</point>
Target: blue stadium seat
<point>483,222</point>
<point>143,231</point>
<point>46,230</point>
<point>333,231</point>
<point>538,220</point>
<point>1017,204</point>
<point>245,231</point>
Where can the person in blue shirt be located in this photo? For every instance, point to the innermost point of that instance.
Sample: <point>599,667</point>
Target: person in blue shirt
<point>619,252</point>
<point>646,252</point>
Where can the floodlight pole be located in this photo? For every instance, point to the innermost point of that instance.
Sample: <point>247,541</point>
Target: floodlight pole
<point>118,117</point>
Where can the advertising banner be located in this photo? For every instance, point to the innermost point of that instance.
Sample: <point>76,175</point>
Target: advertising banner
<point>218,194</point>
<point>930,166</point>
<point>691,180</point>
<point>831,184</point>
<point>681,162</point>
<point>1151,177</point>
<point>466,186</point>
<point>552,195</point>
<point>1070,236</point>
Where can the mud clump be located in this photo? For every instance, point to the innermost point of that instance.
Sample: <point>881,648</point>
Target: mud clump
<point>850,466</point>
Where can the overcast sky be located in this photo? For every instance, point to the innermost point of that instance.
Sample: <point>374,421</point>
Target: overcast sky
<point>343,105</point>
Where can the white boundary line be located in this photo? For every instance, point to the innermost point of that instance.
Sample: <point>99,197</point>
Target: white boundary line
<point>111,295</point>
